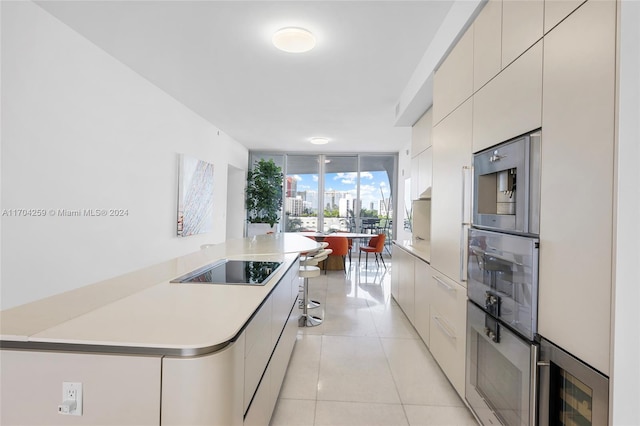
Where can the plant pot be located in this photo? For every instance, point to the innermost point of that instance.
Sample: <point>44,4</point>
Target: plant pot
<point>254,229</point>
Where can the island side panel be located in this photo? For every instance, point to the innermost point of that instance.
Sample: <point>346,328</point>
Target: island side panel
<point>205,390</point>
<point>116,389</point>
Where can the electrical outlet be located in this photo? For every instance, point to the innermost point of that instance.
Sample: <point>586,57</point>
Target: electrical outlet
<point>71,399</point>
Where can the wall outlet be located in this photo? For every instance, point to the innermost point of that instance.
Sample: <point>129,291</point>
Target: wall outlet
<point>71,399</point>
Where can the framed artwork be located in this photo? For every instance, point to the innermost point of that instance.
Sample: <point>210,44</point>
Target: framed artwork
<point>195,196</point>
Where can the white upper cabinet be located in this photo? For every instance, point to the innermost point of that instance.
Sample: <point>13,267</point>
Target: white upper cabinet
<point>577,182</point>
<point>421,133</point>
<point>453,81</point>
<point>451,152</point>
<point>510,104</point>
<point>421,173</point>
<point>421,136</point>
<point>556,10</point>
<point>522,25</point>
<point>487,43</point>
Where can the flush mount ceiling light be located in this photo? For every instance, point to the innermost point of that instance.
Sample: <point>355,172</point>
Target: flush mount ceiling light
<point>293,40</point>
<point>319,141</point>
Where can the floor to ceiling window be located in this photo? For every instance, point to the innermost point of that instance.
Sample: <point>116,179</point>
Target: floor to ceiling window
<point>340,193</point>
<point>301,193</point>
<point>337,192</point>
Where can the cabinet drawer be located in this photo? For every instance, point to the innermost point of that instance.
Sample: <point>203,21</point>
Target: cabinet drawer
<point>446,294</point>
<point>293,277</point>
<point>281,300</point>
<point>447,329</point>
<point>257,350</point>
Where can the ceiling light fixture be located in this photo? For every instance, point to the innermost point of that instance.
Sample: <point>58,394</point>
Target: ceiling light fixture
<point>294,40</point>
<point>319,141</point>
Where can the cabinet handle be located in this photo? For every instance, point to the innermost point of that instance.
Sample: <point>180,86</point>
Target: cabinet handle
<point>465,221</point>
<point>444,328</point>
<point>464,253</point>
<point>444,284</point>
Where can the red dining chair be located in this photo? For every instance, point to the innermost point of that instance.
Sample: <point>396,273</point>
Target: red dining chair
<point>350,240</point>
<point>340,247</point>
<point>375,246</point>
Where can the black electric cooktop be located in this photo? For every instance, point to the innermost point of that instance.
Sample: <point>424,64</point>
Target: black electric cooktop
<point>239,272</point>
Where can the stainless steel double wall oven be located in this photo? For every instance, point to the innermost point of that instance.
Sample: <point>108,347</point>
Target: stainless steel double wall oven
<point>502,283</point>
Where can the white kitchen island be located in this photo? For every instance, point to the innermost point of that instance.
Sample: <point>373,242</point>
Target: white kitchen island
<point>149,351</point>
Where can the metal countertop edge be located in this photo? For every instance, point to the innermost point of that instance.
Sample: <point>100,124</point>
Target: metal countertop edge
<point>113,350</point>
<point>134,350</point>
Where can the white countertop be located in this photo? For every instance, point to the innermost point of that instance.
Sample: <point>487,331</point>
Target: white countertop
<point>144,310</point>
<point>421,249</point>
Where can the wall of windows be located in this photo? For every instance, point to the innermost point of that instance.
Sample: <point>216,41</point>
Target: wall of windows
<point>337,192</point>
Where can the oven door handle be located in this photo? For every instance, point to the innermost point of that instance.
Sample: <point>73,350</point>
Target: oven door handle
<point>542,387</point>
<point>533,394</point>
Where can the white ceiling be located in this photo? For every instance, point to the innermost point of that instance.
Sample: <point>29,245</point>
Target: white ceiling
<point>216,58</point>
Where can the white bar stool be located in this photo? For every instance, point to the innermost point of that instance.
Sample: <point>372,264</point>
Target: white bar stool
<point>308,269</point>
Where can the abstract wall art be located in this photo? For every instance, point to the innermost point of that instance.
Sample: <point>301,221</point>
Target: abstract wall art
<point>195,196</point>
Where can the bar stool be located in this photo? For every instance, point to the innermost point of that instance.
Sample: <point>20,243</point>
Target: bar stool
<point>308,269</point>
<point>312,258</point>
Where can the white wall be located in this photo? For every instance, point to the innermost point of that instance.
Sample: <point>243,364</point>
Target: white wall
<point>626,337</point>
<point>82,131</point>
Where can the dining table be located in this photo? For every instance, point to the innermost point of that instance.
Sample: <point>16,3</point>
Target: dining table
<point>333,263</point>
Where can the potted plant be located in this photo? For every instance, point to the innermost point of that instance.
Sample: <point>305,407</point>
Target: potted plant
<point>264,196</point>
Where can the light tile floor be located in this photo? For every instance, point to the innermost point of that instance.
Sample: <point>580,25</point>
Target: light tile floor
<point>365,364</point>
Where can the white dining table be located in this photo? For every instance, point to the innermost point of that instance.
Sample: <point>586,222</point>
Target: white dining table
<point>350,235</point>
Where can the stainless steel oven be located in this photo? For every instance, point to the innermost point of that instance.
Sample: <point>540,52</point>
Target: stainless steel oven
<point>502,278</point>
<point>502,287</point>
<point>501,371</point>
<point>506,186</point>
<point>571,392</point>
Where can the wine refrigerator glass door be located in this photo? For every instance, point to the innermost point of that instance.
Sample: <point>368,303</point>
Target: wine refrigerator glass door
<point>571,392</point>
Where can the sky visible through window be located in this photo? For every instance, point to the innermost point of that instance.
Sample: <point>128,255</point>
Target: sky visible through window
<point>374,185</point>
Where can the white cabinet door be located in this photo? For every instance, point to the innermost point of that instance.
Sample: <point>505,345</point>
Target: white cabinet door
<point>487,43</point>
<point>451,152</point>
<point>421,133</point>
<point>448,328</point>
<point>576,217</point>
<point>406,281</point>
<point>415,178</point>
<point>395,272</point>
<point>422,276</point>
<point>522,24</point>
<point>425,170</point>
<point>556,10</point>
<point>453,81</point>
<point>511,103</point>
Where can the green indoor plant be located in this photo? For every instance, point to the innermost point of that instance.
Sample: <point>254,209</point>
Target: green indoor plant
<point>264,192</point>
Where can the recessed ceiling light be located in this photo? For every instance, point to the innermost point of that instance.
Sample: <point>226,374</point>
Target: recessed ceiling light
<point>293,40</point>
<point>319,141</point>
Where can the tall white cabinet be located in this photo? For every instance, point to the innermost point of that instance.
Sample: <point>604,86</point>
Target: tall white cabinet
<point>451,152</point>
<point>578,143</point>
